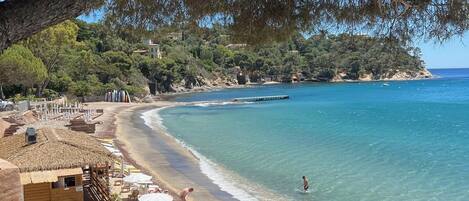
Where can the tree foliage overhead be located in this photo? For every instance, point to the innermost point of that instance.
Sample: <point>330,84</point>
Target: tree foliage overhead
<point>254,21</point>
<point>20,19</point>
<point>257,21</point>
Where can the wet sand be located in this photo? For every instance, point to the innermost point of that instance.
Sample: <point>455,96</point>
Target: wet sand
<point>174,166</point>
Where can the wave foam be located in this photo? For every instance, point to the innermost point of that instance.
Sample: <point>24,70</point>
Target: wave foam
<point>208,104</point>
<point>227,182</point>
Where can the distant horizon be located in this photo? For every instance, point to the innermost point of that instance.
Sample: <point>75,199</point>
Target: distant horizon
<point>446,68</point>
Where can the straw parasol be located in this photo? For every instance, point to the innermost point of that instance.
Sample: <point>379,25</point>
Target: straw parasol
<point>155,197</point>
<point>55,149</point>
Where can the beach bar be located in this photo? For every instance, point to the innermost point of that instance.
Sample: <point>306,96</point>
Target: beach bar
<point>59,164</point>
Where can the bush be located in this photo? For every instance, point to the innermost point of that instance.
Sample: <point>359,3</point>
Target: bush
<point>135,91</point>
<point>50,94</point>
<point>326,74</point>
<point>19,97</point>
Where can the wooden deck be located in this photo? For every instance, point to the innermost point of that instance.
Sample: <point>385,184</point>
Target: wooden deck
<point>261,98</point>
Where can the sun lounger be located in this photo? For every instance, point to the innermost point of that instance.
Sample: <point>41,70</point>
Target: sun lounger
<point>132,169</point>
<point>107,144</point>
<point>108,141</point>
<point>154,189</point>
<point>118,182</point>
<point>125,188</point>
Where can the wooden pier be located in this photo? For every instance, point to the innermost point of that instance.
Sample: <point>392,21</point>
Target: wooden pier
<point>261,98</point>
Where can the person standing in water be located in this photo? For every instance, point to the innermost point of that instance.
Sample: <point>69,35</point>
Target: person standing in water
<point>185,193</point>
<point>305,184</point>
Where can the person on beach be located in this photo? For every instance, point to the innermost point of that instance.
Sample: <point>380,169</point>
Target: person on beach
<point>185,193</point>
<point>305,184</point>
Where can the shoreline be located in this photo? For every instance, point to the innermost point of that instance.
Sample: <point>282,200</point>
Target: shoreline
<point>110,128</point>
<point>173,166</point>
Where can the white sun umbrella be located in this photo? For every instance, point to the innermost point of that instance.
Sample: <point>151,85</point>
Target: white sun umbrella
<point>155,197</point>
<point>114,151</point>
<point>138,178</point>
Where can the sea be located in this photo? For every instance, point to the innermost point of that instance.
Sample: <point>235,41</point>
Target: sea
<point>368,141</point>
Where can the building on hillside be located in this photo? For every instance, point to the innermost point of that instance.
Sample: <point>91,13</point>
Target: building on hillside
<point>152,49</point>
<point>59,164</point>
<point>175,36</point>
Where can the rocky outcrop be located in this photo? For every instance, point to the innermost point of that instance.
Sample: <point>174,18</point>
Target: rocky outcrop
<point>366,77</point>
<point>390,75</point>
<point>201,83</point>
<point>409,75</point>
<point>241,78</point>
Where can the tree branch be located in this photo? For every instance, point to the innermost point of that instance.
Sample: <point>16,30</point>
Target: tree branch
<point>20,19</point>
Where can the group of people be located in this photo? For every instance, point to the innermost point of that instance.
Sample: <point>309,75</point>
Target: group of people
<point>185,192</point>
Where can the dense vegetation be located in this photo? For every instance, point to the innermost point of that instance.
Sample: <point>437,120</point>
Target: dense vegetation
<point>81,59</point>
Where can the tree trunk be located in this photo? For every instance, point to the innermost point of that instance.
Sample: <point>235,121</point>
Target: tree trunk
<point>25,91</point>
<point>40,88</point>
<point>20,19</point>
<point>38,91</point>
<point>2,96</point>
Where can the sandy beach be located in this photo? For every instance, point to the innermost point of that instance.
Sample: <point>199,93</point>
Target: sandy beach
<point>152,150</point>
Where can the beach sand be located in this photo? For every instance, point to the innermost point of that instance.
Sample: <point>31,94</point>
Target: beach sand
<point>156,153</point>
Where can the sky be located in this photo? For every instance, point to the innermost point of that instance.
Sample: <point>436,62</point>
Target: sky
<point>453,53</point>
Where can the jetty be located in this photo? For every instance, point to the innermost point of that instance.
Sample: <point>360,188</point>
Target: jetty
<point>261,98</point>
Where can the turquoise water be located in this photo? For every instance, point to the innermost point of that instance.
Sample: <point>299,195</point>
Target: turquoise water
<point>354,141</point>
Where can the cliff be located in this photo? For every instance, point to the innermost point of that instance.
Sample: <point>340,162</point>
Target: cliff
<point>408,74</point>
<point>228,81</point>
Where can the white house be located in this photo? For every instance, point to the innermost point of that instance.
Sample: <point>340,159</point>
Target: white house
<point>153,49</point>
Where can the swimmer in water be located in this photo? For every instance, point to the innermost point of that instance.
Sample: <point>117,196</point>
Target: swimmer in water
<point>305,184</point>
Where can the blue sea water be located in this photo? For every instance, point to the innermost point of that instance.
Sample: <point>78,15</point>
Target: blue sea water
<point>354,141</point>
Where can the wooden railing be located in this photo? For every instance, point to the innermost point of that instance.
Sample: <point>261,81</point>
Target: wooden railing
<point>98,190</point>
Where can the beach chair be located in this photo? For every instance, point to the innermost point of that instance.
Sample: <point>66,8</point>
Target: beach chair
<point>154,189</point>
<point>116,173</point>
<point>118,182</point>
<point>132,169</point>
<point>125,188</point>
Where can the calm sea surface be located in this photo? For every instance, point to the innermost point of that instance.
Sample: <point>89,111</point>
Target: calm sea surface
<point>354,141</point>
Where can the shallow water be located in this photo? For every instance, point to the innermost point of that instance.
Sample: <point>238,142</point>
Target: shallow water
<point>355,141</point>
